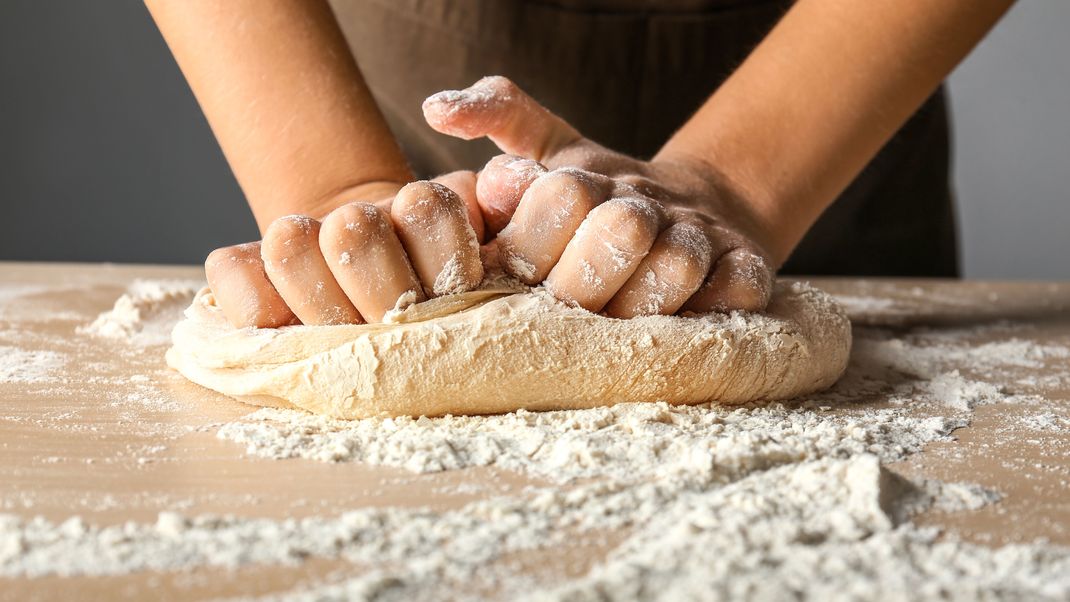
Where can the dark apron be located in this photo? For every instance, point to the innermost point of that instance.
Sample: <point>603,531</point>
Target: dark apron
<point>628,73</point>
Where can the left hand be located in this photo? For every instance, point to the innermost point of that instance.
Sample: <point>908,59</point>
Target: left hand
<point>606,231</point>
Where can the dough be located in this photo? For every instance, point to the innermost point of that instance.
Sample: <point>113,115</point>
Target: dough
<point>497,350</point>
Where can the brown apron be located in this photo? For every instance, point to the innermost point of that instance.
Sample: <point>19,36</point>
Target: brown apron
<point>628,73</point>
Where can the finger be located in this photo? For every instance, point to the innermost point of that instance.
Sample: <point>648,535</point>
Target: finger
<point>242,288</point>
<point>496,108</point>
<point>432,223</point>
<point>367,260</point>
<point>295,266</point>
<point>550,213</point>
<point>631,184</point>
<point>605,252</point>
<point>501,185</point>
<point>740,279</point>
<point>673,271</point>
<point>464,184</point>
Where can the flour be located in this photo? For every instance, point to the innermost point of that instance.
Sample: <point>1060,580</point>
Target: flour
<point>451,278</point>
<point>626,442</point>
<point>635,439</point>
<point>783,501</point>
<point>30,366</point>
<point>524,269</point>
<point>962,394</point>
<point>770,502</point>
<point>1046,421</point>
<point>811,529</point>
<point>144,315</point>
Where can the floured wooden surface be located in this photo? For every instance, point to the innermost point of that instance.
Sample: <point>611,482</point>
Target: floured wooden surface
<point>93,425</point>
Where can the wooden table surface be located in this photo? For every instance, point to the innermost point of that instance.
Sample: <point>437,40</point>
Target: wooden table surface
<point>120,437</point>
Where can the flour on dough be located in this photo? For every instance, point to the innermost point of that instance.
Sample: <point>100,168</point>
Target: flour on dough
<point>497,350</point>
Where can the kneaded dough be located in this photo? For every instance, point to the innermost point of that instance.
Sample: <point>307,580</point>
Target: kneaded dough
<point>497,350</point>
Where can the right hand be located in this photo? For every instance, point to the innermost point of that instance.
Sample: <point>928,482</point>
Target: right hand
<point>390,241</point>
<point>602,230</point>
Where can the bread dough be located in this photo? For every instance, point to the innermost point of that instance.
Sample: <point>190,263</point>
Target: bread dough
<point>496,350</point>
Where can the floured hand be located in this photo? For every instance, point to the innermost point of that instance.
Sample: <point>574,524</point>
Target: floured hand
<point>359,261</point>
<point>607,232</point>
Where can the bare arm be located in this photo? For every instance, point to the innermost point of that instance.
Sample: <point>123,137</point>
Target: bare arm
<point>821,94</point>
<point>304,136</point>
<point>286,102</point>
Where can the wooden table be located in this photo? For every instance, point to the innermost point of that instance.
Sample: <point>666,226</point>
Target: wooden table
<point>120,437</point>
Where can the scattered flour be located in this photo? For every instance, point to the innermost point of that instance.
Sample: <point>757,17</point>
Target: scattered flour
<point>1046,421</point>
<point>522,268</point>
<point>145,314</point>
<point>626,442</point>
<point>451,278</point>
<point>29,366</point>
<point>813,529</point>
<point>634,439</point>
<point>785,501</point>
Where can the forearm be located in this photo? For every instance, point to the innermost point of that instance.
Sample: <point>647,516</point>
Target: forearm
<point>816,100</point>
<point>284,98</point>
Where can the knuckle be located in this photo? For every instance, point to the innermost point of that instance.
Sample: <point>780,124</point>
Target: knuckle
<point>632,179</point>
<point>684,269</point>
<point>744,281</point>
<point>571,176</point>
<point>634,219</point>
<point>218,258</point>
<point>521,170</point>
<point>499,84</point>
<point>501,161</point>
<point>226,257</point>
<point>424,200</point>
<point>752,269</point>
<point>689,247</point>
<point>290,227</point>
<point>572,188</point>
<point>507,175</point>
<point>638,184</point>
<point>354,219</point>
<point>287,238</point>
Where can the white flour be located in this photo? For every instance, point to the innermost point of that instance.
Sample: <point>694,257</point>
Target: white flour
<point>764,503</point>
<point>626,442</point>
<point>631,440</point>
<point>1047,421</point>
<point>145,314</point>
<point>29,366</point>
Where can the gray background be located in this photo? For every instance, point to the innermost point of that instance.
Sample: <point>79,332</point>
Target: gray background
<point>104,155</point>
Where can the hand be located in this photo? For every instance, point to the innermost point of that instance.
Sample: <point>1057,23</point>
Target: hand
<point>390,242</point>
<point>607,232</point>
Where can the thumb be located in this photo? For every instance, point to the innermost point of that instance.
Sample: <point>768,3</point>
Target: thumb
<point>496,108</point>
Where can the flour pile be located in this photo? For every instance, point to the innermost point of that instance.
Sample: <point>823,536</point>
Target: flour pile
<point>629,443</point>
<point>145,314</point>
<point>784,501</point>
